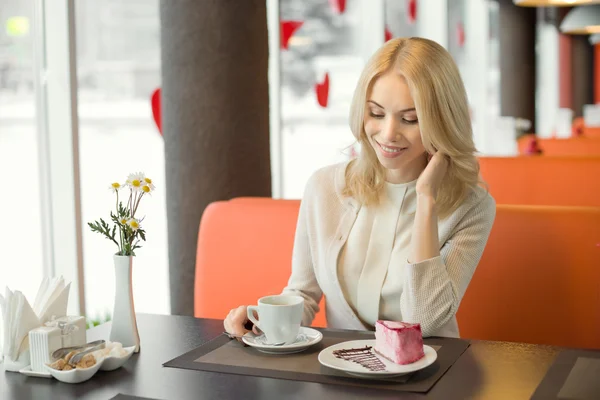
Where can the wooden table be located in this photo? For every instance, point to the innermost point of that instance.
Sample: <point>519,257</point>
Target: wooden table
<point>487,370</point>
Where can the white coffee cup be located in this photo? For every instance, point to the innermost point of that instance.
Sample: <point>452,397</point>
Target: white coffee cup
<point>279,317</point>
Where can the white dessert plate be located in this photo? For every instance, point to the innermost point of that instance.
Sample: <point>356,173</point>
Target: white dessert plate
<point>328,359</point>
<point>306,337</point>
<point>29,372</point>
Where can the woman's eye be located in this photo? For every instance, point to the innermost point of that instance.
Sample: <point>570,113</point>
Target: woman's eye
<point>410,121</point>
<point>372,114</point>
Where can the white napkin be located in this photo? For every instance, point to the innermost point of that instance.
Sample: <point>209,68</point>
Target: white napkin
<point>18,317</point>
<point>56,302</point>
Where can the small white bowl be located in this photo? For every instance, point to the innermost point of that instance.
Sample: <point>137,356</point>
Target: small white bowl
<point>76,375</point>
<point>111,363</point>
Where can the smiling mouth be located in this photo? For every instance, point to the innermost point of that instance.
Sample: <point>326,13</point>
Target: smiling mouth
<point>391,149</point>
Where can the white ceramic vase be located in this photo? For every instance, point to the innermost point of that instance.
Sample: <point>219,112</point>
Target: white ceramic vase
<point>124,326</point>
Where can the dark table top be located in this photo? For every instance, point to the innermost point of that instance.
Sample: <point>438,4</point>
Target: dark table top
<point>487,370</point>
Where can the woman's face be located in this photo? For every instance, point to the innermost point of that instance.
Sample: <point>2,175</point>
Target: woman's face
<point>392,128</point>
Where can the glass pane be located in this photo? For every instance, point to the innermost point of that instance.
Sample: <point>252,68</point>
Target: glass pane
<point>400,18</point>
<point>118,67</point>
<point>493,72</point>
<point>20,237</point>
<point>319,70</point>
<point>456,35</point>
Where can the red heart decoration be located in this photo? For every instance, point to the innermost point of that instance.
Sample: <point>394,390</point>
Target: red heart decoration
<point>339,6</point>
<point>460,34</point>
<point>578,126</point>
<point>287,31</point>
<point>533,147</point>
<point>388,34</point>
<point>156,111</point>
<point>322,89</point>
<point>412,11</point>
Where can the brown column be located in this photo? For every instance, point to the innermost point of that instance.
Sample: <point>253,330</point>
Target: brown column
<point>576,68</point>
<point>215,105</point>
<point>582,69</point>
<point>597,73</point>
<point>517,61</point>
<point>565,72</point>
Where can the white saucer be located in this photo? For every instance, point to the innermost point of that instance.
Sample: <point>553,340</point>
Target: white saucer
<point>306,337</point>
<point>27,371</point>
<point>327,358</point>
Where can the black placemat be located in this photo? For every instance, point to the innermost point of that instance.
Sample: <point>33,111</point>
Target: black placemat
<point>227,356</point>
<point>122,396</point>
<point>575,374</point>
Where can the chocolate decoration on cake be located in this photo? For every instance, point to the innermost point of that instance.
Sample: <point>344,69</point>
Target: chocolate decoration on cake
<point>362,356</point>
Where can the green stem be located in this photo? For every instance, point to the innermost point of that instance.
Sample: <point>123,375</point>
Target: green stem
<point>120,244</point>
<point>125,242</point>
<point>133,205</point>
<point>130,195</point>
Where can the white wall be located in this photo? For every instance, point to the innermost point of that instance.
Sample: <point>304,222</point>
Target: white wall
<point>476,44</point>
<point>547,79</point>
<point>432,20</point>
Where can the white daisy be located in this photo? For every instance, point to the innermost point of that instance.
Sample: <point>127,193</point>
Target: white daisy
<point>134,224</point>
<point>135,181</point>
<point>140,176</point>
<point>147,185</point>
<point>115,186</point>
<point>146,189</point>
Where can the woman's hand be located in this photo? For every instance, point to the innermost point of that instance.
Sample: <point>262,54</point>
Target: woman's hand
<point>236,320</point>
<point>431,178</point>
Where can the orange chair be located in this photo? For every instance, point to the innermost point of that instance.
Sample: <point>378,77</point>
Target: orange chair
<point>244,252</point>
<point>561,181</point>
<point>586,145</point>
<point>538,280</point>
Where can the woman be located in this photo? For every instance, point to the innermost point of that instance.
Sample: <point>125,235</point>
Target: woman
<point>397,233</point>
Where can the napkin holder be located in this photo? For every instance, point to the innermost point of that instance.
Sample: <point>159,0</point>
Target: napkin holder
<point>43,342</point>
<point>55,334</point>
<point>19,319</point>
<point>73,330</point>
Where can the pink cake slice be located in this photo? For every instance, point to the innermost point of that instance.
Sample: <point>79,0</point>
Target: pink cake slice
<point>399,342</point>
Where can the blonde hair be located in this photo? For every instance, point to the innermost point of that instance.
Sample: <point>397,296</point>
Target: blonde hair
<point>443,113</point>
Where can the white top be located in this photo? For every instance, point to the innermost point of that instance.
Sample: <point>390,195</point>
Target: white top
<point>388,286</point>
<point>379,239</point>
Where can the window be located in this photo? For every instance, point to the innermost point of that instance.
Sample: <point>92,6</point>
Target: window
<point>21,255</point>
<point>118,68</point>
<point>320,65</point>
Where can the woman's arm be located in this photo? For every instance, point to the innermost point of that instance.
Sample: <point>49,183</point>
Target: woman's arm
<point>436,281</point>
<point>425,241</point>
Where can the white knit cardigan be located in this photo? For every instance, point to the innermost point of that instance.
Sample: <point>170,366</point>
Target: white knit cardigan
<point>432,289</point>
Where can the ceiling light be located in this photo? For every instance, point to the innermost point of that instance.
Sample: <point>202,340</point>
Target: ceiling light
<point>581,21</point>
<point>554,3</point>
